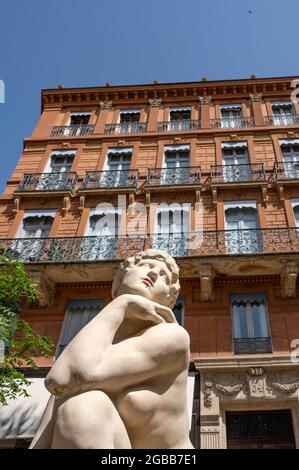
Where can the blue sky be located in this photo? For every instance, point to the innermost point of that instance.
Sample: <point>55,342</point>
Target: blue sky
<point>91,42</point>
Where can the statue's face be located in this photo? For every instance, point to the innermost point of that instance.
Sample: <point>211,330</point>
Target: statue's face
<point>149,278</point>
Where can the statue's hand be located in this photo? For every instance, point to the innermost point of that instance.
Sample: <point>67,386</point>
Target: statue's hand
<point>145,309</point>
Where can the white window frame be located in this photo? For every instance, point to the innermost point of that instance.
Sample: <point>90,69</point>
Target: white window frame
<point>176,150</point>
<point>115,151</point>
<point>295,204</point>
<point>78,113</point>
<point>103,210</point>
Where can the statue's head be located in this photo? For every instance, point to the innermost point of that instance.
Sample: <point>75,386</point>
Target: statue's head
<point>153,274</point>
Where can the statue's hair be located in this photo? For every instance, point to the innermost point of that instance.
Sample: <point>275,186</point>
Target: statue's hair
<point>174,288</point>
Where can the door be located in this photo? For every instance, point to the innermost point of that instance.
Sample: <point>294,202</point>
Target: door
<point>260,430</point>
<point>242,235</point>
<point>102,236</point>
<point>176,167</point>
<point>283,114</point>
<point>117,173</point>
<point>290,155</point>
<point>172,231</point>
<point>57,176</point>
<point>235,164</point>
<point>37,228</point>
<point>231,117</point>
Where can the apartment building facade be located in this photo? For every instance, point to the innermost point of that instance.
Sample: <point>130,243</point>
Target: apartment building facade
<point>207,171</point>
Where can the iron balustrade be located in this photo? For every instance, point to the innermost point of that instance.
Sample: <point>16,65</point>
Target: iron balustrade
<point>126,128</point>
<point>110,179</point>
<point>97,248</point>
<point>282,120</point>
<point>286,170</point>
<point>173,176</point>
<point>232,123</point>
<point>178,125</point>
<point>237,173</point>
<point>63,181</point>
<point>71,131</point>
<point>252,345</point>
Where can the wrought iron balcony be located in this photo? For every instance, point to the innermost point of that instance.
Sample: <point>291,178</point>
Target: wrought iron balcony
<point>237,173</point>
<point>72,131</point>
<point>63,181</point>
<point>126,128</point>
<point>110,179</point>
<point>286,170</point>
<point>185,176</point>
<point>178,125</point>
<point>283,120</point>
<point>196,244</point>
<point>232,123</point>
<point>252,345</point>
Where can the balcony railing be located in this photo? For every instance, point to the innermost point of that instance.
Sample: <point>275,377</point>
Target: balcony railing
<point>286,120</point>
<point>178,125</point>
<point>110,179</point>
<point>232,123</point>
<point>63,181</point>
<point>286,170</point>
<point>71,131</point>
<point>196,244</point>
<point>173,176</point>
<point>126,128</point>
<point>237,173</point>
<point>252,345</point>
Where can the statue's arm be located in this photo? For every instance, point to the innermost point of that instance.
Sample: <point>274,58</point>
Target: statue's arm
<point>160,349</point>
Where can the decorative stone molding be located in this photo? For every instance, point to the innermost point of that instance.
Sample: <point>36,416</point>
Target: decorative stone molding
<point>16,206</point>
<point>93,146</point>
<point>105,105</point>
<point>205,100</point>
<point>35,148</point>
<point>177,140</point>
<point>65,205</point>
<point>262,138</point>
<point>155,103</point>
<point>206,275</point>
<point>148,143</point>
<point>256,383</point>
<point>208,394</point>
<point>286,389</point>
<point>288,278</point>
<point>229,390</point>
<point>205,140</point>
<point>256,96</point>
<point>45,287</point>
<point>121,143</point>
<point>81,203</point>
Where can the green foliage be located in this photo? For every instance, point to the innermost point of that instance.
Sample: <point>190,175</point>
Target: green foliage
<point>21,344</point>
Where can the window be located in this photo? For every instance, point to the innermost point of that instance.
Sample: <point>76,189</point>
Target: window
<point>117,167</point>
<point>295,205</point>
<point>250,324</point>
<point>35,228</point>
<point>180,119</point>
<point>179,310</point>
<point>55,175</point>
<point>283,113</point>
<point>235,162</point>
<point>176,164</point>
<point>290,155</point>
<point>241,225</point>
<point>129,121</point>
<point>102,233</point>
<point>78,314</point>
<point>231,115</point>
<point>79,119</point>
<point>36,224</point>
<point>172,226</point>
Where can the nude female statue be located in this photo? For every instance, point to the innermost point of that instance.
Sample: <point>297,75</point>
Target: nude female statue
<point>121,382</point>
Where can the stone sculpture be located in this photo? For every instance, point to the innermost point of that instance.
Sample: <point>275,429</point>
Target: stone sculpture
<point>121,383</point>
